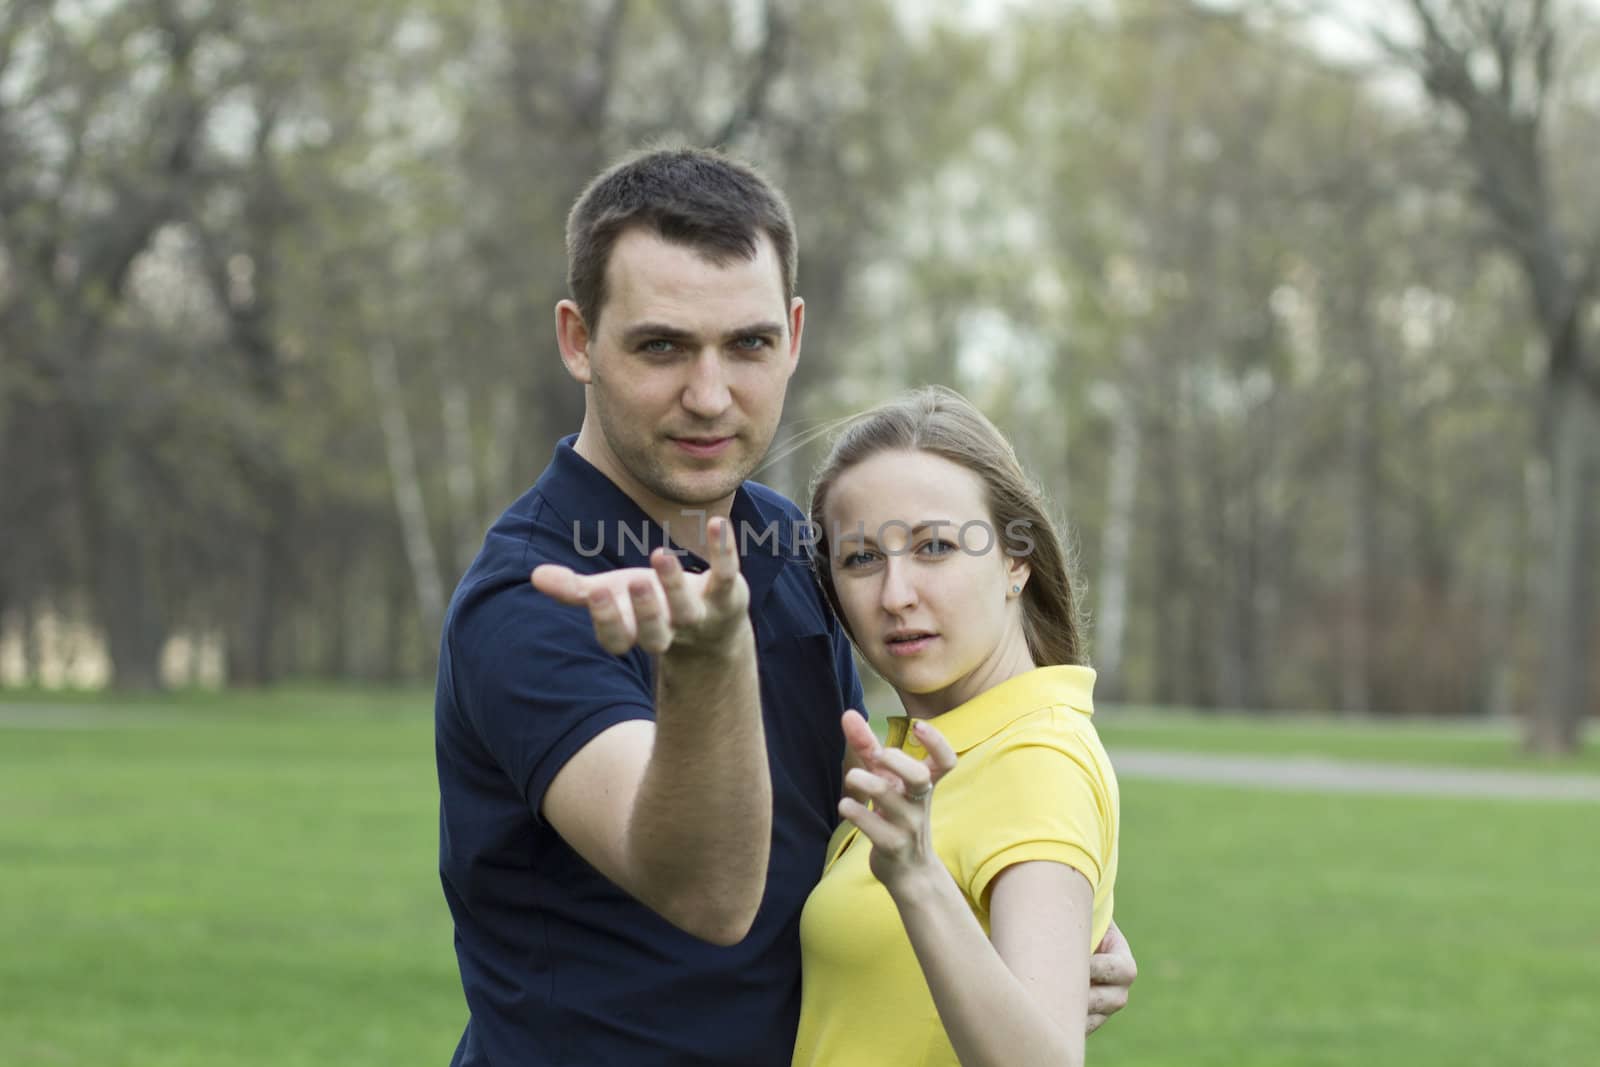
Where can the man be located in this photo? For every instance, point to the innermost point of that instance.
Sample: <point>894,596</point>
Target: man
<point>639,752</point>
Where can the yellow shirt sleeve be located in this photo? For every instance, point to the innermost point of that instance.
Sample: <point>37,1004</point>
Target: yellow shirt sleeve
<point>1044,798</point>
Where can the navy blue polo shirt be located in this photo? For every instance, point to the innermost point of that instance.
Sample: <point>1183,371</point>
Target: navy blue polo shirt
<point>559,965</point>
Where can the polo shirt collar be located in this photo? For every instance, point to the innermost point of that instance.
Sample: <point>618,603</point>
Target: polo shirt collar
<point>991,711</point>
<point>596,509</point>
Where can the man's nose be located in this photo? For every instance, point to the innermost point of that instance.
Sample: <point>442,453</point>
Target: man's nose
<point>706,393</point>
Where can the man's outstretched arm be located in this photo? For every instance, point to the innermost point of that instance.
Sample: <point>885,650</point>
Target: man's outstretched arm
<point>677,812</point>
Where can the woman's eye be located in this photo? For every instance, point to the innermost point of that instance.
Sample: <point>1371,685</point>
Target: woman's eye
<point>856,559</point>
<point>938,547</point>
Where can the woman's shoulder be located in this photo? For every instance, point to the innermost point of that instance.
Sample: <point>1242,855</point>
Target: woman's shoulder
<point>1058,726</point>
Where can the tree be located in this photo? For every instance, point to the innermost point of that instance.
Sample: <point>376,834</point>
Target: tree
<point>1496,65</point>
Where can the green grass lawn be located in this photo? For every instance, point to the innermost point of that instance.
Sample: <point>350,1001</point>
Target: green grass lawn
<point>1456,743</point>
<point>251,880</point>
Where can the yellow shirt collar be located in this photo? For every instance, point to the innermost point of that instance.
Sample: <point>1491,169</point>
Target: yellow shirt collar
<point>996,708</point>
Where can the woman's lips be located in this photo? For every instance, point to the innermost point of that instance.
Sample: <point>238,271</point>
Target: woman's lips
<point>911,646</point>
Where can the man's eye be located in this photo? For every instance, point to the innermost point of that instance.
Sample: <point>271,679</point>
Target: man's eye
<point>658,346</point>
<point>752,343</point>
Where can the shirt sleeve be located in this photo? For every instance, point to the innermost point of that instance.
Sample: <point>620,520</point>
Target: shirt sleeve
<point>535,686</point>
<point>1044,799</point>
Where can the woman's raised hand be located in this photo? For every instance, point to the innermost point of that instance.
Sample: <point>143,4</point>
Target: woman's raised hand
<point>889,798</point>
<point>660,606</point>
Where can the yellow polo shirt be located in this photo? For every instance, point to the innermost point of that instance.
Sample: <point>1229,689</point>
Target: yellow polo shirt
<point>1032,783</point>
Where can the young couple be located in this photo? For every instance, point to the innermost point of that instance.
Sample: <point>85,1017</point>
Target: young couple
<point>645,752</point>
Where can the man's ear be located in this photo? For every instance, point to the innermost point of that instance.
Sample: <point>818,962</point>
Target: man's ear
<point>797,322</point>
<point>572,337</point>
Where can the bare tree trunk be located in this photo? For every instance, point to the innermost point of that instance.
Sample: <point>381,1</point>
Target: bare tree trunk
<point>1123,477</point>
<point>1556,723</point>
<point>407,484</point>
<point>1496,64</point>
<point>1363,565</point>
<point>461,477</point>
<point>1171,666</point>
<point>1116,548</point>
<point>499,463</point>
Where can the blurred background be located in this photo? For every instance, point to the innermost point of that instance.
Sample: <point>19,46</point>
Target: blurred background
<point>1293,307</point>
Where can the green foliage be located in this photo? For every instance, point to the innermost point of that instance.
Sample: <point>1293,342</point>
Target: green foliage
<point>1174,223</point>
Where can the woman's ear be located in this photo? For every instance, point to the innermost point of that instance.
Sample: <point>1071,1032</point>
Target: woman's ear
<point>1017,574</point>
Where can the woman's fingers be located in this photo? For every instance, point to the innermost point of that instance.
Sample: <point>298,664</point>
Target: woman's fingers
<point>881,832</point>
<point>885,792</point>
<point>867,785</point>
<point>942,758</point>
<point>859,736</point>
<point>915,777</point>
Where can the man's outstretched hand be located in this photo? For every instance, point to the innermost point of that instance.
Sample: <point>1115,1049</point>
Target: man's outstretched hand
<point>660,606</point>
<point>1112,971</point>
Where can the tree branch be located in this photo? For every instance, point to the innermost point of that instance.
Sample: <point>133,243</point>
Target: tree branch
<point>769,60</point>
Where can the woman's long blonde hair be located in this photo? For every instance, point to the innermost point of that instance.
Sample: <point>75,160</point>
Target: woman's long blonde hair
<point>944,423</point>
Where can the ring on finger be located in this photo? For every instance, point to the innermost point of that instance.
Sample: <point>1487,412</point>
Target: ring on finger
<point>920,794</point>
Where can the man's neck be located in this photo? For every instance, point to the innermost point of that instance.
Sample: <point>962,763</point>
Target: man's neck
<point>684,523</point>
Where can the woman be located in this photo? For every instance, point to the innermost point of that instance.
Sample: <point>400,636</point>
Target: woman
<point>958,931</point>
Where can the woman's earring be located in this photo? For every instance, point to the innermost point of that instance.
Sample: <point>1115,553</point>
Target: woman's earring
<point>1016,589</point>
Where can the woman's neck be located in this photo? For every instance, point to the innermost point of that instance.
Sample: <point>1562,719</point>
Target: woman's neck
<point>1011,659</point>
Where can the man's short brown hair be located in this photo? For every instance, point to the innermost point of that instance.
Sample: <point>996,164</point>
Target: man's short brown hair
<point>698,197</point>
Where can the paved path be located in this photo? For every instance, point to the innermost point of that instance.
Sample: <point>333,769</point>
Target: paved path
<point>66,717</point>
<point>1317,775</point>
<point>1292,773</point>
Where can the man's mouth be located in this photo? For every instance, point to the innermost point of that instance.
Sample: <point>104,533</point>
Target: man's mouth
<point>703,447</point>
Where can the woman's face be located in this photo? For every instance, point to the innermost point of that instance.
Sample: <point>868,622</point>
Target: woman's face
<point>924,580</point>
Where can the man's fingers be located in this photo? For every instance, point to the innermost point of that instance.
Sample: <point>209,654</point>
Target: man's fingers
<point>685,608</point>
<point>724,558</point>
<point>650,614</point>
<point>1112,970</point>
<point>1107,1000</point>
<point>559,583</point>
<point>613,621</point>
<point>1115,942</point>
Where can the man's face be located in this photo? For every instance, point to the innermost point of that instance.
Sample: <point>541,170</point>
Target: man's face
<point>687,372</point>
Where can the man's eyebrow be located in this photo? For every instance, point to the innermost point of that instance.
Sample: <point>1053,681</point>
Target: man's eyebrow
<point>651,331</point>
<point>756,329</point>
